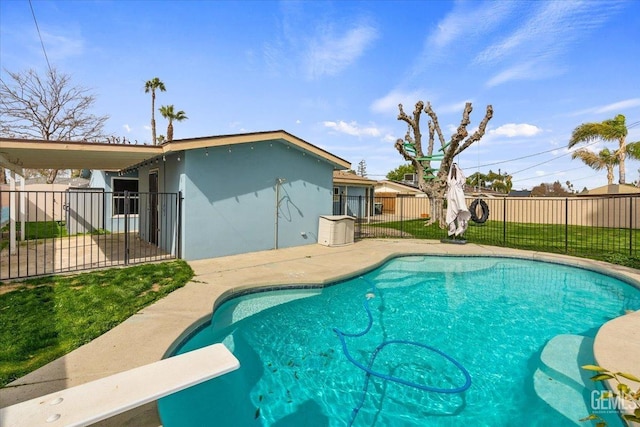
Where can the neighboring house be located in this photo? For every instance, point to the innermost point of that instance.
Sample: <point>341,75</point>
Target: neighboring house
<point>393,188</point>
<point>520,193</point>
<point>240,193</point>
<point>352,194</point>
<point>611,190</point>
<point>387,193</point>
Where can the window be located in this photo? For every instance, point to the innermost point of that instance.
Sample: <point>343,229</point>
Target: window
<point>336,191</point>
<point>119,200</point>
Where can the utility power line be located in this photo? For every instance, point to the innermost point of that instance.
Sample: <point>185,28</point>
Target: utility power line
<point>40,36</point>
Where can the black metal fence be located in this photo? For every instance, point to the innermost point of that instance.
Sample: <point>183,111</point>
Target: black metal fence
<point>583,226</point>
<point>49,232</point>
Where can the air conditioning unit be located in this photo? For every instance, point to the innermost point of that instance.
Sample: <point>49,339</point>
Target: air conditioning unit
<point>410,177</point>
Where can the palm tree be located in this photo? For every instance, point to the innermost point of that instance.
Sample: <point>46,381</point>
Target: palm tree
<point>151,86</point>
<point>609,130</point>
<point>633,150</point>
<point>168,113</point>
<point>604,159</point>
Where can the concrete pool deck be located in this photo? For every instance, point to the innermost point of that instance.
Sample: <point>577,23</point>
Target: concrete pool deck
<point>148,335</point>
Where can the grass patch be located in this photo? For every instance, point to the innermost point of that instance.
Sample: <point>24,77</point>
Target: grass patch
<point>46,318</point>
<point>601,243</point>
<point>40,229</point>
<point>34,230</point>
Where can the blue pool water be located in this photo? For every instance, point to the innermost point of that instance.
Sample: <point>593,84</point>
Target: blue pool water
<point>495,316</point>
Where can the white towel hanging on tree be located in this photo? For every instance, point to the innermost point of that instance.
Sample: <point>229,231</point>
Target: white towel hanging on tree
<point>458,214</point>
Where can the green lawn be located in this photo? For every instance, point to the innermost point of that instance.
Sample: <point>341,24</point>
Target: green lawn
<point>607,244</point>
<point>46,318</point>
<point>40,229</point>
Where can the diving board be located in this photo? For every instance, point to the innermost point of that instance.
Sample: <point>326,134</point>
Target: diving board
<point>101,399</point>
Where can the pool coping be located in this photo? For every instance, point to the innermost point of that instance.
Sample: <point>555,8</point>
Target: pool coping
<point>161,326</point>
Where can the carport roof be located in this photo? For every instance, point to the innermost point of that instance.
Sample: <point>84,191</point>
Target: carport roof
<point>16,154</point>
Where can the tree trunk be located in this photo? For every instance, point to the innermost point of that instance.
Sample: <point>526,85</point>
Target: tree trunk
<point>434,184</point>
<point>153,118</point>
<point>170,132</point>
<point>622,153</point>
<point>52,176</point>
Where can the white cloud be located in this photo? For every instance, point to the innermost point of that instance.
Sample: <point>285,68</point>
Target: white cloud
<point>517,72</point>
<point>548,30</point>
<point>127,128</point>
<point>388,104</point>
<point>467,23</point>
<point>613,107</point>
<point>452,108</point>
<point>329,54</point>
<point>316,46</point>
<point>533,50</point>
<point>617,106</point>
<point>352,128</point>
<point>512,130</point>
<point>464,23</point>
<point>61,46</point>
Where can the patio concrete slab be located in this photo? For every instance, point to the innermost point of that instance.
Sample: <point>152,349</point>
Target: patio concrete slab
<point>147,336</point>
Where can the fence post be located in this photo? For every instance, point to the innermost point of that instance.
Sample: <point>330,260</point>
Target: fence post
<point>179,224</point>
<point>630,225</point>
<point>401,217</point>
<point>126,227</point>
<point>566,225</point>
<point>504,221</point>
<point>359,216</point>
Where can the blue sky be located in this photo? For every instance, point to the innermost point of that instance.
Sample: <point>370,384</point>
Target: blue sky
<point>333,73</point>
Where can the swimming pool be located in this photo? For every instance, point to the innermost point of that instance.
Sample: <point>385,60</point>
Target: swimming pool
<point>500,318</point>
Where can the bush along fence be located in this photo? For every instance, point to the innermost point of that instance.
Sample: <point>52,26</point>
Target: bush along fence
<point>594,227</point>
<point>48,232</point>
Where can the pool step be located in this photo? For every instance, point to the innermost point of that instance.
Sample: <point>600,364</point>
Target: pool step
<point>560,396</point>
<point>563,357</point>
<point>563,384</point>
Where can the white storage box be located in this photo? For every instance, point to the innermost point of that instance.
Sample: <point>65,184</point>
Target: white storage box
<point>336,230</point>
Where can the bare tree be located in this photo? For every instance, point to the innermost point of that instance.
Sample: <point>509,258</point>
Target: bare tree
<point>48,108</point>
<point>431,180</point>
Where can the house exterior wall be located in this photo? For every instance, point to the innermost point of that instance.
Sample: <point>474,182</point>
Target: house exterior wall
<point>230,198</point>
<point>104,179</point>
<point>170,172</point>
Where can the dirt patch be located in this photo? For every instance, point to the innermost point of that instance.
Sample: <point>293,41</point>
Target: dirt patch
<point>6,288</point>
<point>154,288</point>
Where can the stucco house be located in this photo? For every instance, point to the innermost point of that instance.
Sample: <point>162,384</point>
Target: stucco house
<point>200,197</point>
<point>239,193</point>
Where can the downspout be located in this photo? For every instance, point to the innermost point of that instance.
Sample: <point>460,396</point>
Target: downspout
<point>279,182</point>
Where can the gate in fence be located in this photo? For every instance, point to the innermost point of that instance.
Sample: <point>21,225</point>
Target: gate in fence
<point>50,232</point>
